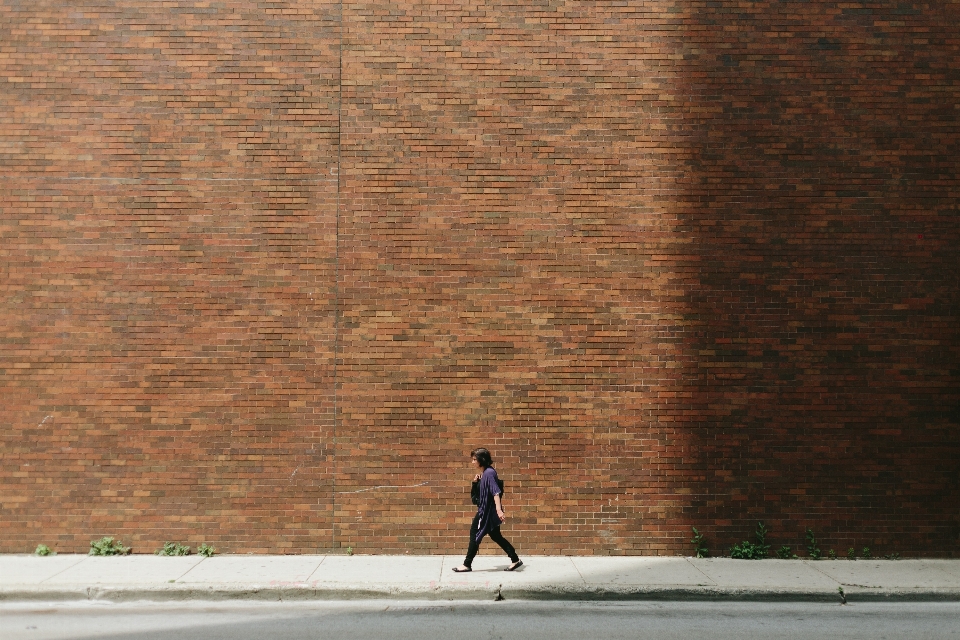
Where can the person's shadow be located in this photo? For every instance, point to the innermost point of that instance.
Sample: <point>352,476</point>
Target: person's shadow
<point>501,568</point>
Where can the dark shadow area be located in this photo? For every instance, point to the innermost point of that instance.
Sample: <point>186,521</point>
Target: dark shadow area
<point>821,195</point>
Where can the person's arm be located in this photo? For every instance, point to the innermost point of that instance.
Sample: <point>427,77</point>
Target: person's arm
<point>500,513</point>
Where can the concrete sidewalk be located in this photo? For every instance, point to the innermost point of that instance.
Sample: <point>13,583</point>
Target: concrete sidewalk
<point>142,577</point>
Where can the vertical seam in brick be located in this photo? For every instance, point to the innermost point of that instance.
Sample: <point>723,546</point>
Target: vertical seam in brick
<point>336,287</point>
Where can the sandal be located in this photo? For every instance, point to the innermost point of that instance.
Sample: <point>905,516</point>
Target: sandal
<point>516,565</point>
<point>461,570</point>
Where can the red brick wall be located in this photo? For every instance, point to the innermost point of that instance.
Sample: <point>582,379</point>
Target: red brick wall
<point>269,270</point>
<point>168,254</point>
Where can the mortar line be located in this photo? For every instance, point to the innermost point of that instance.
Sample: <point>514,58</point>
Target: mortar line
<point>166,181</point>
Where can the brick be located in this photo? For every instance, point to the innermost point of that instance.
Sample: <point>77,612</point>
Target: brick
<point>270,271</point>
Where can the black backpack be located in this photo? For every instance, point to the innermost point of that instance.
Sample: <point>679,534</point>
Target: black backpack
<point>475,490</point>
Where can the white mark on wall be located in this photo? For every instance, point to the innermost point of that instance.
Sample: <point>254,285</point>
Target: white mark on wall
<point>44,421</point>
<point>386,486</point>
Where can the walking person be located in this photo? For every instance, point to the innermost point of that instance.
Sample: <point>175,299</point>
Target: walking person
<point>490,513</point>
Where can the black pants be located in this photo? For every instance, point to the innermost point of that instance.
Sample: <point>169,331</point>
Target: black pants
<point>495,535</point>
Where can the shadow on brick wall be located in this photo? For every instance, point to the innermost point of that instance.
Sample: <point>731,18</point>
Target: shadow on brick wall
<point>820,190</point>
<point>677,265</point>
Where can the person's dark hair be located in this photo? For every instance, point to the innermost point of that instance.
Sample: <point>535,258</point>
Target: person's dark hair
<point>482,456</point>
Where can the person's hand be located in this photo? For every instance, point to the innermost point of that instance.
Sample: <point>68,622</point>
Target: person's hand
<point>476,478</point>
<point>502,516</point>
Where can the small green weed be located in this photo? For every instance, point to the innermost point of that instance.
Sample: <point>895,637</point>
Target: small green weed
<point>784,553</point>
<point>173,549</point>
<point>865,554</point>
<point>699,545</point>
<point>812,549</point>
<point>832,554</point>
<point>747,550</point>
<point>44,550</point>
<point>206,550</point>
<point>107,546</point>
<point>843,596</point>
<point>349,551</point>
<point>851,554</point>
<point>892,556</point>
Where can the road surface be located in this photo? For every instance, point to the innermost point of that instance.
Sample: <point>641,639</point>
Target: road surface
<point>382,620</point>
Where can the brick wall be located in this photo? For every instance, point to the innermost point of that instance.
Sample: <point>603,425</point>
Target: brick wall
<point>269,271</point>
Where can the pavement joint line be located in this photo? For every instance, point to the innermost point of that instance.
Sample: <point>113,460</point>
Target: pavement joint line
<point>184,575</point>
<point>75,564</point>
<point>316,568</point>
<point>699,570</point>
<point>825,575</point>
<point>577,569</point>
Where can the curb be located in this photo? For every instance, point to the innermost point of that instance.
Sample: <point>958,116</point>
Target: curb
<point>534,593</point>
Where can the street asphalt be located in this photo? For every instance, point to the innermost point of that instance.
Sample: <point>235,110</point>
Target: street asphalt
<point>473,620</point>
<point>340,577</point>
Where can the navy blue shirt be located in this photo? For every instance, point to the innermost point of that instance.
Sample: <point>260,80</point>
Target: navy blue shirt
<point>487,508</point>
